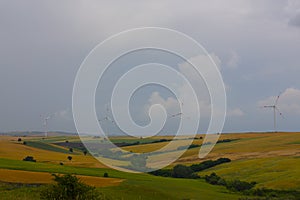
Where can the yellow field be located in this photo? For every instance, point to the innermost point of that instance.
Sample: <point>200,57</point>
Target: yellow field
<point>254,145</point>
<point>271,159</point>
<point>12,149</point>
<point>19,176</point>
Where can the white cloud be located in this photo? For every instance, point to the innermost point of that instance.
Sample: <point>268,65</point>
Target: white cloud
<point>196,81</point>
<point>288,103</point>
<point>63,115</point>
<point>236,112</point>
<point>233,61</point>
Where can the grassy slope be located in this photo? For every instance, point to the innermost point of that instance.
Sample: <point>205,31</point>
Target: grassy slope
<point>135,186</point>
<point>11,149</point>
<point>270,159</point>
<point>276,173</point>
<point>48,147</point>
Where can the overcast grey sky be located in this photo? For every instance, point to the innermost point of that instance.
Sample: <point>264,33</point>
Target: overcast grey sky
<point>43,43</point>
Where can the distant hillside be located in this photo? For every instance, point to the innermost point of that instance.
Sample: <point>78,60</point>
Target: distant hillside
<point>37,133</point>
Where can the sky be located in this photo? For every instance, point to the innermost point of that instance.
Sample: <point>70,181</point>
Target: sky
<point>255,44</point>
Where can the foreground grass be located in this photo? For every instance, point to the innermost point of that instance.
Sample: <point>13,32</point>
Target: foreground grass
<point>136,186</point>
<point>165,188</point>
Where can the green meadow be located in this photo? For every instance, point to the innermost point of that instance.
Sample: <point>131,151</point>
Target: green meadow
<point>272,160</point>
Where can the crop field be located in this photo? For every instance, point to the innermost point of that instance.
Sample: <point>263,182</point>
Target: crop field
<point>270,159</point>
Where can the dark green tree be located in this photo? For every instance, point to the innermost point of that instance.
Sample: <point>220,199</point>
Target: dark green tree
<point>69,187</point>
<point>69,158</point>
<point>182,171</point>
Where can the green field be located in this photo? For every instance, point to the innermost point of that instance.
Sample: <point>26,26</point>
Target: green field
<point>271,160</point>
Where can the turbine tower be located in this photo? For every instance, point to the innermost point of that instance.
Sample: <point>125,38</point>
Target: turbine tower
<point>275,109</point>
<point>106,118</point>
<point>45,124</point>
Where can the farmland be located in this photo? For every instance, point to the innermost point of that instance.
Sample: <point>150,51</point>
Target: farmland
<point>270,159</point>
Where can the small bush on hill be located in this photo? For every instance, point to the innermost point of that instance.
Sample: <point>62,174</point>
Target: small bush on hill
<point>208,164</point>
<point>182,171</point>
<point>235,185</point>
<point>163,172</point>
<point>70,158</point>
<point>29,158</point>
<point>214,179</point>
<point>239,186</point>
<point>68,187</point>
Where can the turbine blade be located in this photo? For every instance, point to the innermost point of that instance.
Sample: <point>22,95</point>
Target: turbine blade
<point>280,113</point>
<point>276,102</point>
<point>175,115</point>
<point>268,106</point>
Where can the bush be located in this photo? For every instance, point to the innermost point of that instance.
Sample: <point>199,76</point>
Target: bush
<point>182,171</point>
<point>138,162</point>
<point>24,143</point>
<point>29,158</point>
<point>237,185</point>
<point>208,164</point>
<point>105,175</point>
<point>70,158</point>
<point>214,179</point>
<point>162,172</point>
<point>71,150</point>
<point>85,152</point>
<point>19,139</point>
<point>69,187</point>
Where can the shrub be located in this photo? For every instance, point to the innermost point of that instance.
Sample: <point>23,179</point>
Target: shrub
<point>214,179</point>
<point>19,139</point>
<point>29,158</point>
<point>208,164</point>
<point>71,149</point>
<point>237,185</point>
<point>69,187</point>
<point>24,143</point>
<point>138,161</point>
<point>70,158</point>
<point>163,172</point>
<point>182,171</point>
<point>105,174</point>
<point>85,152</point>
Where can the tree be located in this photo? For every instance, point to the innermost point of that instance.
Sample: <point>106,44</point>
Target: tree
<point>29,158</point>
<point>138,162</point>
<point>182,171</point>
<point>85,152</point>
<point>71,150</point>
<point>70,158</point>
<point>19,139</point>
<point>69,187</point>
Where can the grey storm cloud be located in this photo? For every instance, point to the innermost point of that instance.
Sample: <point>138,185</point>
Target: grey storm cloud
<point>295,21</point>
<point>43,44</point>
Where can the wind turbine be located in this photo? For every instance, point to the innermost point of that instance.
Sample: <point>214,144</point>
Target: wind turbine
<point>106,118</point>
<point>179,113</point>
<point>275,108</point>
<point>45,124</point>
